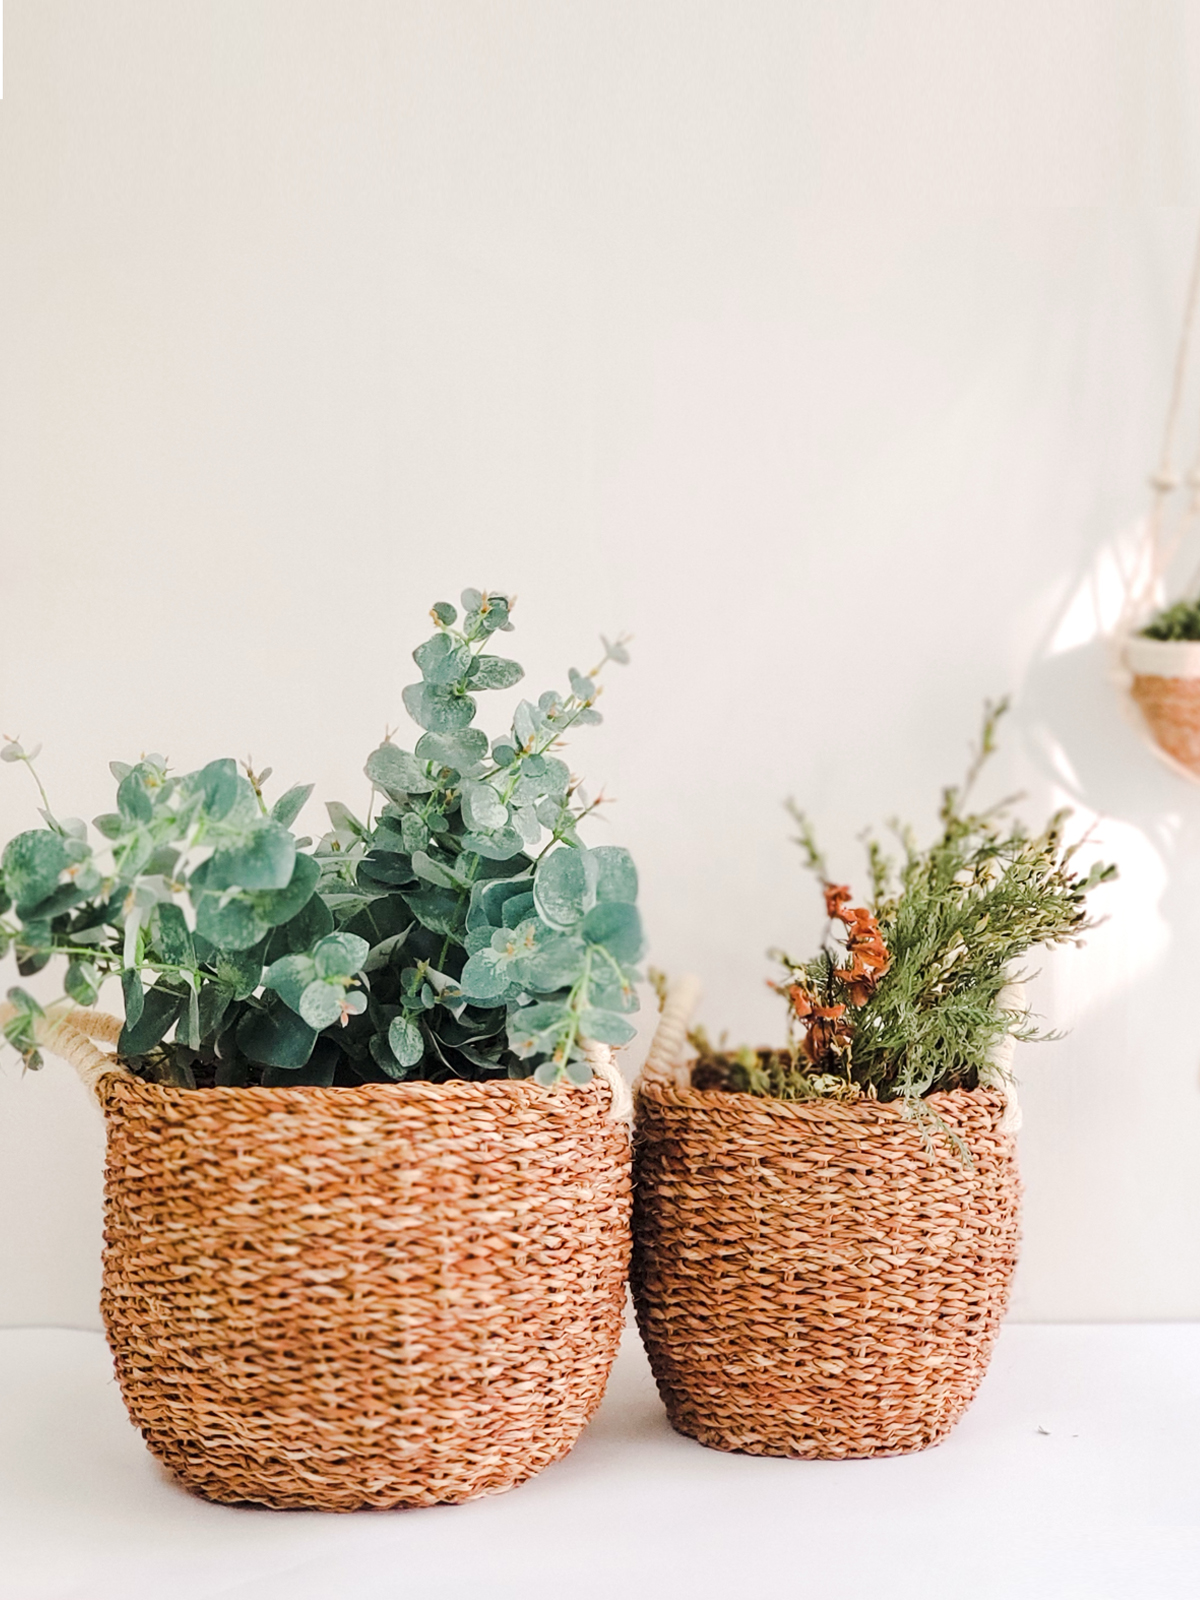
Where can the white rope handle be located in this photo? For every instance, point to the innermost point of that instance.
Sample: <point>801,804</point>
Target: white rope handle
<point>69,1036</point>
<point>600,1059</point>
<point>664,1063</point>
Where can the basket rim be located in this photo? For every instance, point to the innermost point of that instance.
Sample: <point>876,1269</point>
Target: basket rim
<point>734,1104</point>
<point>310,1096</point>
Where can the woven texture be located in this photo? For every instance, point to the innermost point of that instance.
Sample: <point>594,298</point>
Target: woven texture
<point>1171,707</point>
<point>810,1278</point>
<point>385,1296</point>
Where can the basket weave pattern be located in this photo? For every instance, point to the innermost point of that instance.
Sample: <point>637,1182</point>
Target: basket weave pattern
<point>811,1278</point>
<point>384,1296</point>
<point>1171,707</point>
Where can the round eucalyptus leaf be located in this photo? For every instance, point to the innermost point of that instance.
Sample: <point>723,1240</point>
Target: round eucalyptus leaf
<point>616,925</point>
<point>340,955</point>
<point>321,1003</point>
<point>564,886</point>
<point>406,1041</point>
<point>617,877</point>
<point>438,709</point>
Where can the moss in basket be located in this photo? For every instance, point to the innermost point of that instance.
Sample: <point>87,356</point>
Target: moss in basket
<point>464,932</point>
<point>1180,621</point>
<point>907,999</point>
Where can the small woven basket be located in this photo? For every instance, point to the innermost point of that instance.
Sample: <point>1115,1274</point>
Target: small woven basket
<point>396,1295</point>
<point>1166,689</point>
<point>819,1279</point>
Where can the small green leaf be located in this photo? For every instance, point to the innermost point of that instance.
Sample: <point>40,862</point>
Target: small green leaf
<point>341,955</point>
<point>397,773</point>
<point>274,1035</point>
<point>31,864</point>
<point>406,1041</point>
<point>172,939</point>
<point>617,877</point>
<point>110,823</point>
<point>281,905</point>
<point>442,660</point>
<point>517,909</point>
<point>435,872</point>
<point>494,672</point>
<point>471,599</point>
<point>615,924</point>
<point>413,833</point>
<point>214,1002</point>
<point>488,900</point>
<point>564,886</point>
<point>133,802</point>
<point>461,750</point>
<point>486,977</point>
<point>24,1002</point>
<point>579,1072</point>
<point>482,808</point>
<point>505,844</point>
<point>217,783</point>
<point>321,1003</point>
<point>265,861</point>
<point>606,1027</point>
<point>534,1030</point>
<point>159,1012</point>
<point>240,971</point>
<point>312,922</point>
<point>439,709</point>
<point>440,910</point>
<point>445,613</point>
<point>289,977</point>
<point>82,983</point>
<point>289,806</point>
<point>135,998</point>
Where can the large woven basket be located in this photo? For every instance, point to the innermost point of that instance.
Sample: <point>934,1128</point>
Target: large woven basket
<point>395,1295</point>
<point>819,1279</point>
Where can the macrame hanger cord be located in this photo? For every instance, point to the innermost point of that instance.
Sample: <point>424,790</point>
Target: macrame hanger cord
<point>1158,552</point>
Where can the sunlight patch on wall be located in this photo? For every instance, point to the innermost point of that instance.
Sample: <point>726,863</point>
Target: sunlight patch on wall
<point>1132,937</point>
<point>1095,609</point>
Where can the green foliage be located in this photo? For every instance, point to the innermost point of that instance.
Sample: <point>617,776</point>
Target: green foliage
<point>1180,621</point>
<point>464,932</point>
<point>908,1001</point>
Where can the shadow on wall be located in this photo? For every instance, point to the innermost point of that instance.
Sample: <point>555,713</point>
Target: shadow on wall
<point>1085,737</point>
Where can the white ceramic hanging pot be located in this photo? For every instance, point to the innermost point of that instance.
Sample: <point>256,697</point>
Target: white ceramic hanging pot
<point>1166,688</point>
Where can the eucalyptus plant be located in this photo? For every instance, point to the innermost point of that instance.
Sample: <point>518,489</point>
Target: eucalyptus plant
<point>466,931</point>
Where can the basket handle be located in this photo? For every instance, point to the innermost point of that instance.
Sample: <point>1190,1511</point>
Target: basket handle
<point>69,1036</point>
<point>664,1063</point>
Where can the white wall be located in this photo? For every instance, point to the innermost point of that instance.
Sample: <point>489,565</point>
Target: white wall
<point>823,346</point>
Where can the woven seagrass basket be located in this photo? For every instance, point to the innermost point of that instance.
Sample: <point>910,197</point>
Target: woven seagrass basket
<point>396,1295</point>
<point>818,1279</point>
<point>1166,690</point>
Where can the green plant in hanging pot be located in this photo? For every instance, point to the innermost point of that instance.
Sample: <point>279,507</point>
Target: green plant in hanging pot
<point>363,1123</point>
<point>825,1233</point>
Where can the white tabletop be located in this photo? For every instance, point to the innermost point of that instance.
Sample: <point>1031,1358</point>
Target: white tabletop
<point>1075,1476</point>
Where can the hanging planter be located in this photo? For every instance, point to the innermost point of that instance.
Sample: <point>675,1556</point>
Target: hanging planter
<point>825,1235</point>
<point>1157,645</point>
<point>368,1172</point>
<point>1166,689</point>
